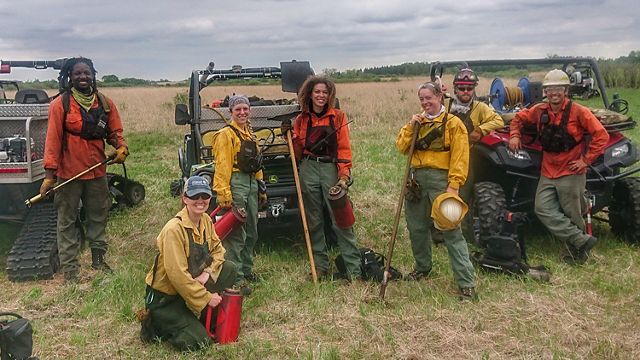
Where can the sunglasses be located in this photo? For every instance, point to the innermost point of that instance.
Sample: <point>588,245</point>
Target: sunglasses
<point>465,88</point>
<point>201,196</point>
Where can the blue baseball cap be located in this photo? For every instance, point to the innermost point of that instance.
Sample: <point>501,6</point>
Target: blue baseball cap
<point>197,185</point>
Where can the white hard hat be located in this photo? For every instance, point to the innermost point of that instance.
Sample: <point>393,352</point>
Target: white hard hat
<point>447,211</point>
<point>556,77</point>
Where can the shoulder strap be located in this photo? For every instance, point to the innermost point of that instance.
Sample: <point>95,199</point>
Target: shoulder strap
<point>565,114</point>
<point>155,267</point>
<point>102,100</point>
<point>236,132</point>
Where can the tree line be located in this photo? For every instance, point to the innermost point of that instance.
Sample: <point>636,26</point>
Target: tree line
<point>622,72</point>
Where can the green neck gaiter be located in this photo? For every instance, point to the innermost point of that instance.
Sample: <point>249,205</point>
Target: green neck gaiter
<point>84,100</point>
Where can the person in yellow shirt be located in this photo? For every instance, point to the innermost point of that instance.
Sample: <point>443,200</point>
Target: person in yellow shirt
<point>237,181</point>
<point>479,119</point>
<point>189,273</point>
<point>439,163</point>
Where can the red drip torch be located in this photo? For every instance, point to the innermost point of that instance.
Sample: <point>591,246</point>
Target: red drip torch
<point>591,202</point>
<point>227,222</point>
<point>227,324</point>
<point>341,207</point>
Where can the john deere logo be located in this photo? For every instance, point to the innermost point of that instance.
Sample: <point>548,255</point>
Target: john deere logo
<point>273,179</point>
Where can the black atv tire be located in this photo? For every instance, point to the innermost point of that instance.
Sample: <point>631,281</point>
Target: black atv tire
<point>489,201</point>
<point>624,211</point>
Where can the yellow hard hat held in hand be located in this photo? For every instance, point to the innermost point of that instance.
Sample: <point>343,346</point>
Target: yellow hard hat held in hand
<point>447,211</point>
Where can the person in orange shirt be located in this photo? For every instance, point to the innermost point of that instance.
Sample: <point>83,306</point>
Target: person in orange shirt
<point>80,121</point>
<point>566,154</point>
<point>321,142</point>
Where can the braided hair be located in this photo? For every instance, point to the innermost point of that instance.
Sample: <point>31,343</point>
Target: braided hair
<point>64,76</point>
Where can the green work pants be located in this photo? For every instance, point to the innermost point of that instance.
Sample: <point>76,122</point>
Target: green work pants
<point>433,182</point>
<point>560,204</point>
<point>96,203</point>
<point>316,178</point>
<point>240,243</point>
<point>174,322</point>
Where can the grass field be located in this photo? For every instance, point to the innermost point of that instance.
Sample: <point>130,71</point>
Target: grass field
<point>591,311</point>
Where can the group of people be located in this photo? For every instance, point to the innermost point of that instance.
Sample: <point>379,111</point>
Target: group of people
<point>193,265</point>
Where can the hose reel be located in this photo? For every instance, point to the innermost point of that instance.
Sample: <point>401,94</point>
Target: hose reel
<point>508,98</point>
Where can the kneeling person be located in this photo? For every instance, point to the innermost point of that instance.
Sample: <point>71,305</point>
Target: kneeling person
<point>188,274</point>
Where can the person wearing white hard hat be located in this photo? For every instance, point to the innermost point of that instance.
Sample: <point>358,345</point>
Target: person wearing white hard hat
<point>439,166</point>
<point>562,128</point>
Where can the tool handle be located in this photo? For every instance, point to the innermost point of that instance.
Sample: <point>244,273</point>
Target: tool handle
<point>303,214</point>
<point>396,222</point>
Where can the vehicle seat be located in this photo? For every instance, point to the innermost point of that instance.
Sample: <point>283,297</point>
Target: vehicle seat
<point>32,96</point>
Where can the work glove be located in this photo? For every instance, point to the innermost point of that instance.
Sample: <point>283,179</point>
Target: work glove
<point>285,126</point>
<point>121,154</point>
<point>224,202</point>
<point>343,182</point>
<point>47,184</point>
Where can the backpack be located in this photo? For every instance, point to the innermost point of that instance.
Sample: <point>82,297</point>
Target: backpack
<point>16,341</point>
<point>505,250</point>
<point>371,265</point>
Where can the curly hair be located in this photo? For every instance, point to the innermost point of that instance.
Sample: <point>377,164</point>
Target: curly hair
<point>304,94</point>
<point>64,76</point>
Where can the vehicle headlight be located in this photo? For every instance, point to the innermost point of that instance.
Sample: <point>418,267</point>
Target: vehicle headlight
<point>620,151</point>
<point>519,155</point>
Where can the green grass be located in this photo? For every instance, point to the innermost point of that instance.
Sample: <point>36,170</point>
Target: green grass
<point>584,312</point>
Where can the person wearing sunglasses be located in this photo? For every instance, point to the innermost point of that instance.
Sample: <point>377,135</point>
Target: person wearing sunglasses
<point>188,274</point>
<point>479,119</point>
<point>562,128</point>
<point>237,181</point>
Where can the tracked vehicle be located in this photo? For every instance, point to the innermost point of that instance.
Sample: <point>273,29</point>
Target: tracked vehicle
<point>23,129</point>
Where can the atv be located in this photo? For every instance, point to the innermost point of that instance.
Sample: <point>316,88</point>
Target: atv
<point>508,180</point>
<point>23,130</point>
<point>196,158</point>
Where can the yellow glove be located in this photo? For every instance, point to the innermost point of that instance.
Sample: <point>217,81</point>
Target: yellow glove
<point>224,202</point>
<point>343,182</point>
<point>46,185</point>
<point>121,154</point>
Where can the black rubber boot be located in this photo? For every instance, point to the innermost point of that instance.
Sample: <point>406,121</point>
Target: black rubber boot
<point>98,261</point>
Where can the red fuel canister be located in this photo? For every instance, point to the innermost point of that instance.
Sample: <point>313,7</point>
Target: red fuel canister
<point>341,207</point>
<point>230,220</point>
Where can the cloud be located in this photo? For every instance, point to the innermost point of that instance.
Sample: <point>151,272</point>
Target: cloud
<point>167,39</point>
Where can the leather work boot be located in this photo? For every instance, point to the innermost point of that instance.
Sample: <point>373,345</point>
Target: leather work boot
<point>416,275</point>
<point>581,255</point>
<point>468,294</point>
<point>98,261</point>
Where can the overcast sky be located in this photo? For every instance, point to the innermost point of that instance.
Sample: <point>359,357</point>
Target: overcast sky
<point>154,39</point>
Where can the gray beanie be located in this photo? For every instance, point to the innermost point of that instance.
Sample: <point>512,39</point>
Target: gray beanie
<point>238,99</point>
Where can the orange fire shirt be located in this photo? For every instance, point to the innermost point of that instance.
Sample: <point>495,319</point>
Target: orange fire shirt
<point>69,154</point>
<point>581,120</point>
<point>339,122</point>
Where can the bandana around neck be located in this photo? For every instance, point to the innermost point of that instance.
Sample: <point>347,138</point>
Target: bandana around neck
<point>85,101</point>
